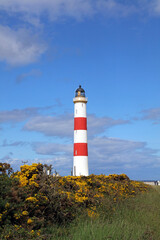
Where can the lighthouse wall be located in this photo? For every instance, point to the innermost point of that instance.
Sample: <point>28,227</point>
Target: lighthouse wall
<point>80,167</point>
<point>80,109</point>
<point>80,162</point>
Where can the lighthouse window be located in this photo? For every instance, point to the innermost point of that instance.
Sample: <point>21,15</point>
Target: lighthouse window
<point>76,152</point>
<point>76,111</point>
<point>82,104</point>
<point>80,94</point>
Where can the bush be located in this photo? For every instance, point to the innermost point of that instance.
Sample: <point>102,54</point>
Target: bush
<point>31,200</point>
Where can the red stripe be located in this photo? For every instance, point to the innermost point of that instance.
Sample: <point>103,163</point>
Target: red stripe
<point>80,123</point>
<point>80,149</point>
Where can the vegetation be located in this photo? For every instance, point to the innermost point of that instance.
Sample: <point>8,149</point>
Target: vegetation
<point>36,206</point>
<point>134,219</point>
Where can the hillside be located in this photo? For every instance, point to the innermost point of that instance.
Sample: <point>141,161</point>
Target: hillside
<point>36,206</point>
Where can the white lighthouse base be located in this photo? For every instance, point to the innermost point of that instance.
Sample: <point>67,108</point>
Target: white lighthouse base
<point>80,166</point>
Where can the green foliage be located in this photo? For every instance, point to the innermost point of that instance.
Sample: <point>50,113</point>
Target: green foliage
<point>5,168</point>
<point>133,219</point>
<point>30,200</point>
<point>5,194</point>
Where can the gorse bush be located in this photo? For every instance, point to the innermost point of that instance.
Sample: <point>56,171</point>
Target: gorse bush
<point>31,200</point>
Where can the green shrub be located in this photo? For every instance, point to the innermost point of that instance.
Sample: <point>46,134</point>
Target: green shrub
<point>31,200</point>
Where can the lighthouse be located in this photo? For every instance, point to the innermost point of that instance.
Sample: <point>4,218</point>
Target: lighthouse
<point>80,159</point>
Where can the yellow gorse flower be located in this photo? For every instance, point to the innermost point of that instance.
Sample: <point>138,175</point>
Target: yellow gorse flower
<point>29,221</point>
<point>25,213</point>
<point>96,186</point>
<point>32,199</point>
<point>92,212</point>
<point>17,215</point>
<point>75,191</point>
<point>7,205</point>
<point>28,174</point>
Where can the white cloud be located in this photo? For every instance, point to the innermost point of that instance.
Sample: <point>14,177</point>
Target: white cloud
<point>20,115</point>
<point>19,47</point>
<point>152,114</point>
<point>34,73</point>
<point>117,151</point>
<point>77,9</point>
<point>13,144</point>
<point>104,153</point>
<point>115,8</point>
<point>62,126</point>
<point>17,115</point>
<point>97,125</point>
<point>53,149</point>
<point>54,9</point>
<point>155,7</point>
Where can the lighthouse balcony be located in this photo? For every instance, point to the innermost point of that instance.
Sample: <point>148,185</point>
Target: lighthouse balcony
<point>80,99</point>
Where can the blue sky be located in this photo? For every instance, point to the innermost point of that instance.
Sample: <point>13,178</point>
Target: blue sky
<point>111,48</point>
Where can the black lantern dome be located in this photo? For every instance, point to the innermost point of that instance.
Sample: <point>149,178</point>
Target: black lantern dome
<point>80,92</point>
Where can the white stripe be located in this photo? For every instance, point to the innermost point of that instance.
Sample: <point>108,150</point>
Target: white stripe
<point>80,109</point>
<point>80,166</point>
<point>80,136</point>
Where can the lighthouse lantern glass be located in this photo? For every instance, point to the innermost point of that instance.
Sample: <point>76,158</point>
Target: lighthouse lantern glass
<point>80,92</point>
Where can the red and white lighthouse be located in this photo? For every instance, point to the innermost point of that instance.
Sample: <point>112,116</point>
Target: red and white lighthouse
<point>80,159</point>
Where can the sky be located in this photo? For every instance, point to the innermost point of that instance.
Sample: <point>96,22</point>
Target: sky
<point>111,48</point>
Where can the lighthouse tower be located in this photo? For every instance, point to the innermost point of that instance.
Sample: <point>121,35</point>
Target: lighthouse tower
<point>80,159</point>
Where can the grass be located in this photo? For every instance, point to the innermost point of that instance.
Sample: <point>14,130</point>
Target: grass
<point>36,206</point>
<point>137,218</point>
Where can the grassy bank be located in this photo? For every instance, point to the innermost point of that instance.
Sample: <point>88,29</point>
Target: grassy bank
<point>36,206</point>
<point>137,218</point>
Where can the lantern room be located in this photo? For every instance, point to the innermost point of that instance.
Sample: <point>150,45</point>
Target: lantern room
<point>80,92</point>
